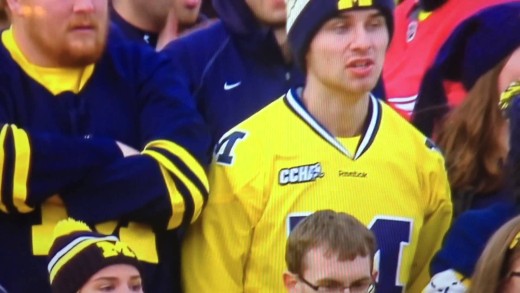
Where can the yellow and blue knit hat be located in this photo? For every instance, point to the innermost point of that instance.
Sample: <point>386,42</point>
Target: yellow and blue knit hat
<point>305,18</point>
<point>77,254</point>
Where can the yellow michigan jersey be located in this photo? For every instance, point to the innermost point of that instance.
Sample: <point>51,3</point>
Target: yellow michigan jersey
<point>280,165</point>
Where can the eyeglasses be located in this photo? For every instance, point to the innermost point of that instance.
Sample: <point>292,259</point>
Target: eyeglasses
<point>334,288</point>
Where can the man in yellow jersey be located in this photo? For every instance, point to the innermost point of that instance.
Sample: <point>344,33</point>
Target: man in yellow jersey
<point>327,145</point>
<point>330,252</point>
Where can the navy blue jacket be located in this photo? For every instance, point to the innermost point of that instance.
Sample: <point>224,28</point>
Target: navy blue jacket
<point>233,68</point>
<point>468,236</point>
<point>129,32</point>
<point>65,145</point>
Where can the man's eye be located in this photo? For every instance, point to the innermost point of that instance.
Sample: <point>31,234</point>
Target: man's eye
<point>376,23</point>
<point>136,287</point>
<point>332,287</point>
<point>107,288</point>
<point>360,287</point>
<point>340,27</point>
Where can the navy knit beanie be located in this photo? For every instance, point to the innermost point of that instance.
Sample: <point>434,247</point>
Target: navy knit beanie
<point>475,47</point>
<point>305,18</point>
<point>77,254</point>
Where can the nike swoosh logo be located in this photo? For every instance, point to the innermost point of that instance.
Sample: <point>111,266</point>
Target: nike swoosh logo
<point>228,87</point>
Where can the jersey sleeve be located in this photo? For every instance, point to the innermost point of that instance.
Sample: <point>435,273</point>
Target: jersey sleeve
<point>35,165</point>
<point>166,184</point>
<point>438,214</point>
<point>217,246</point>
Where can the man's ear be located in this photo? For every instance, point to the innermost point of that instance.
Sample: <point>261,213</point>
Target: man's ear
<point>290,280</point>
<point>374,275</point>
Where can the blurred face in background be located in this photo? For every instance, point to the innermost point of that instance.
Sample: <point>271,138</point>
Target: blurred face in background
<point>268,12</point>
<point>510,72</point>
<point>154,12</point>
<point>186,11</point>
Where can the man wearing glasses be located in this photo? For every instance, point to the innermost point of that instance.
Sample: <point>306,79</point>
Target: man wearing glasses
<point>330,252</point>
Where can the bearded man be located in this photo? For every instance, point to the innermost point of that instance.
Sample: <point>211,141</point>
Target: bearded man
<point>95,129</point>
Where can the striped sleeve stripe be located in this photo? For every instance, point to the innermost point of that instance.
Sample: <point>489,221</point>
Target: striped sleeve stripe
<point>8,173</point>
<point>184,156</point>
<point>3,132</point>
<point>15,157</point>
<point>189,204</point>
<point>21,169</point>
<point>176,200</point>
<point>189,195</point>
<point>192,174</point>
<point>185,170</point>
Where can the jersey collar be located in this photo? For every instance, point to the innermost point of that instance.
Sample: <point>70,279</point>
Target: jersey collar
<point>293,101</point>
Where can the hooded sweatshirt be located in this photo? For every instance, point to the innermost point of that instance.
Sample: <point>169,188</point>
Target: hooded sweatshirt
<point>234,67</point>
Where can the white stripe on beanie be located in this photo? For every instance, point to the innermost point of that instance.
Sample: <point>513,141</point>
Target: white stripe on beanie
<point>294,8</point>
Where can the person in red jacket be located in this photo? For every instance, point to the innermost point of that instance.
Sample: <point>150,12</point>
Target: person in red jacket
<point>421,27</point>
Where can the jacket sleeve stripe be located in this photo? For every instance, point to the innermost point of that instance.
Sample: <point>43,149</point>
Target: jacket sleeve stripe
<point>190,194</point>
<point>176,200</point>
<point>185,170</point>
<point>3,132</point>
<point>21,169</point>
<point>8,173</point>
<point>189,203</point>
<point>184,156</point>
